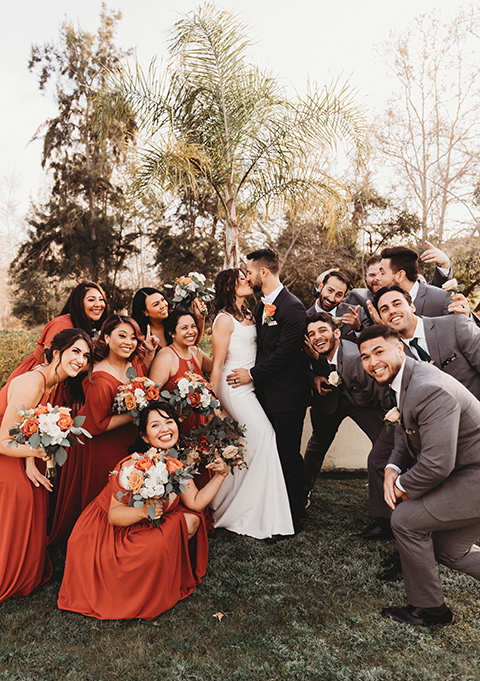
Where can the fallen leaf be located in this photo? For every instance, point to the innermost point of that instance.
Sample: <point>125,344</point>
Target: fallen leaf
<point>219,616</point>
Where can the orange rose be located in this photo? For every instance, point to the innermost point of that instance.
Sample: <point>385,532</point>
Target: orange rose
<point>173,464</point>
<point>64,421</point>
<point>193,399</point>
<point>130,402</point>
<point>64,410</point>
<point>269,310</point>
<point>29,427</point>
<point>144,464</point>
<point>41,409</point>
<point>135,481</point>
<point>203,444</point>
<point>152,393</point>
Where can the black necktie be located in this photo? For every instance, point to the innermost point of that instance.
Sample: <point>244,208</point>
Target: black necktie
<point>393,397</point>
<point>333,367</point>
<point>423,354</point>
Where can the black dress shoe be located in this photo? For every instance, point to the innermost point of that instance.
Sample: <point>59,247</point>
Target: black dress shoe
<point>409,614</point>
<point>374,531</point>
<point>393,574</point>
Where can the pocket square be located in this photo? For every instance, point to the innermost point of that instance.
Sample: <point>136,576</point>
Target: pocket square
<point>448,360</point>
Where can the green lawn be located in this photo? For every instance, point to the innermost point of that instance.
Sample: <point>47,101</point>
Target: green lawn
<point>306,608</point>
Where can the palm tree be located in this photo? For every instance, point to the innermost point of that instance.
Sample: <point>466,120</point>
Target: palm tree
<point>213,118</point>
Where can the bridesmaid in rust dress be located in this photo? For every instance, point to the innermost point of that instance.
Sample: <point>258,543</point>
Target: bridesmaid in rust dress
<point>24,562</point>
<point>85,309</point>
<point>119,347</point>
<point>179,357</point>
<point>121,567</point>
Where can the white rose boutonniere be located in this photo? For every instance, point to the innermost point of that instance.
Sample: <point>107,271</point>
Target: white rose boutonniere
<point>334,379</point>
<point>391,418</point>
<point>452,286</point>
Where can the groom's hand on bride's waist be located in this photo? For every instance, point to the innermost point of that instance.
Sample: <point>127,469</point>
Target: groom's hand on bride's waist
<point>238,377</point>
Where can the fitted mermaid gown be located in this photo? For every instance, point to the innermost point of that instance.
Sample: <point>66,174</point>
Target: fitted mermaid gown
<point>252,501</point>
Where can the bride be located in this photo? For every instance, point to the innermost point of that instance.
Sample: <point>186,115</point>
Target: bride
<point>253,501</point>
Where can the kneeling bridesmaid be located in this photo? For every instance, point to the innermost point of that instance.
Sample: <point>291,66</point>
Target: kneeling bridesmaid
<point>119,566</point>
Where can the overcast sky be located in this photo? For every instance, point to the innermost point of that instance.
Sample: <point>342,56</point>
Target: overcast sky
<point>307,39</point>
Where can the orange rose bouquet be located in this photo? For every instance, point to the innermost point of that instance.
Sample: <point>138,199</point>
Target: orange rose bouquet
<point>190,287</point>
<point>51,429</point>
<point>221,437</point>
<point>136,395</point>
<point>153,475</point>
<point>193,393</point>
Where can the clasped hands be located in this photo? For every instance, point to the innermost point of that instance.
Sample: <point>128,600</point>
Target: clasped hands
<point>392,493</point>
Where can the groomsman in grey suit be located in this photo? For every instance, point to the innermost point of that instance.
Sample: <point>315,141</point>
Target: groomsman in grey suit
<point>399,265</point>
<point>432,486</point>
<point>332,290</point>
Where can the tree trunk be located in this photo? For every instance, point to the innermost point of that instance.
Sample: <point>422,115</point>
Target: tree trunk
<point>231,231</point>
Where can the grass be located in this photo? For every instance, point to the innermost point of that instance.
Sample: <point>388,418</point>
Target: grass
<point>14,346</point>
<point>306,608</point>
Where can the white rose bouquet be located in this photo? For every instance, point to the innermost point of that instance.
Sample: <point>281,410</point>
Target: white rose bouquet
<point>193,393</point>
<point>190,287</point>
<point>52,429</point>
<point>153,475</point>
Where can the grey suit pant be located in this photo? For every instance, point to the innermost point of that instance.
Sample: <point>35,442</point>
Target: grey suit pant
<point>422,540</point>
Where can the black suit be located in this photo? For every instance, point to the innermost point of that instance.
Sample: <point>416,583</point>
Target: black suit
<point>358,396</point>
<point>282,387</point>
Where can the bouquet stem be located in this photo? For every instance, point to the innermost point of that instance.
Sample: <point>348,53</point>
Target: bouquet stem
<point>51,471</point>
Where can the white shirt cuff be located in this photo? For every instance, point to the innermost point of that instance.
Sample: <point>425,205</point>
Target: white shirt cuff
<point>395,468</point>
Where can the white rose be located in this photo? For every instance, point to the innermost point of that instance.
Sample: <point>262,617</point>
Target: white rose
<point>334,379</point>
<point>230,451</point>
<point>140,397</point>
<point>182,386</point>
<point>450,285</point>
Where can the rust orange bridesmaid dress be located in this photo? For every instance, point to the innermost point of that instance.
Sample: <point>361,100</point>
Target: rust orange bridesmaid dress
<point>139,571</point>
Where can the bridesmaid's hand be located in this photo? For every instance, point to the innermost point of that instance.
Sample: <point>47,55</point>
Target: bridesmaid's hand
<point>34,475</point>
<point>151,342</point>
<point>158,508</point>
<point>218,466</point>
<point>199,308</point>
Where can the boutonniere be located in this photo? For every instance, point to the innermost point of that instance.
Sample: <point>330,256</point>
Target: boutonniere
<point>452,286</point>
<point>334,379</point>
<point>391,419</point>
<point>269,311</point>
<point>338,321</point>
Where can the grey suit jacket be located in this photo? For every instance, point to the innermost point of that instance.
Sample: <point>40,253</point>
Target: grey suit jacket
<point>357,385</point>
<point>441,426</point>
<point>431,301</point>
<point>454,346</point>
<point>342,308</point>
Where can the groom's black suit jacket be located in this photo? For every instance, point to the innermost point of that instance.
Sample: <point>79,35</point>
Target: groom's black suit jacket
<point>280,371</point>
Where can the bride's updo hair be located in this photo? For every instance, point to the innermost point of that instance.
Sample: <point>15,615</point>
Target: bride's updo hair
<point>164,408</point>
<point>225,284</point>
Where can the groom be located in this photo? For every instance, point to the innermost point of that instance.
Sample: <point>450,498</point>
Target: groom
<point>280,372</point>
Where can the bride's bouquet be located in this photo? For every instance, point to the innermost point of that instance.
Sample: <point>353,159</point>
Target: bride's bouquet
<point>221,437</point>
<point>154,475</point>
<point>190,287</point>
<point>136,395</point>
<point>52,429</point>
<point>193,393</point>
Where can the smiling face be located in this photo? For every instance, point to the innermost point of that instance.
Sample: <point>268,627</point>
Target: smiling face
<point>161,430</point>
<point>74,359</point>
<point>324,339</point>
<point>243,288</point>
<point>93,304</point>
<point>122,341</point>
<point>332,293</point>
<point>395,311</point>
<point>186,331</point>
<point>382,358</point>
<point>156,307</point>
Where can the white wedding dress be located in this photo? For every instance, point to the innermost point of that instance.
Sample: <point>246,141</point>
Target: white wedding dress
<point>252,501</point>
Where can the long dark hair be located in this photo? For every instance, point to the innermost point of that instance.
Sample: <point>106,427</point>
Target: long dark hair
<point>138,306</point>
<point>171,322</point>
<point>225,284</point>
<point>62,341</point>
<point>166,408</point>
<point>75,307</point>
<point>109,325</point>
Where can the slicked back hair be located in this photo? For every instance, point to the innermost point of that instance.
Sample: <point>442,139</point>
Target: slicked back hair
<point>266,257</point>
<point>402,258</point>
